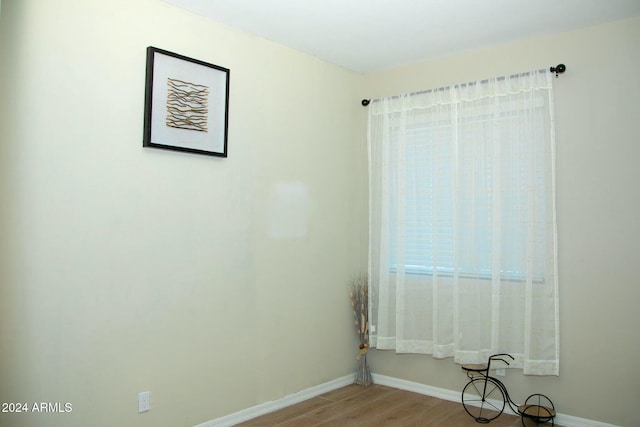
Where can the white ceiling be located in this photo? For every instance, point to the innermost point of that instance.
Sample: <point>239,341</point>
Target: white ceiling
<point>372,35</point>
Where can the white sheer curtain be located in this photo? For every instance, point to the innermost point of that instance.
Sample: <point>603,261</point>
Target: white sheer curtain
<point>462,241</point>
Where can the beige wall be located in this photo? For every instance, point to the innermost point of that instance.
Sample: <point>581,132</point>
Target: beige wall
<point>126,269</point>
<point>598,200</point>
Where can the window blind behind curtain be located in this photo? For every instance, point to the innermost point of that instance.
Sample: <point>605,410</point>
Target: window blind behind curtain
<point>462,230</point>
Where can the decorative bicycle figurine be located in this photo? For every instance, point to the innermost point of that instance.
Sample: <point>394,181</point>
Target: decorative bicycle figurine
<point>485,397</point>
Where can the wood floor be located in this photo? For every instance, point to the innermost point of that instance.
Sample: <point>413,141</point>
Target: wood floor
<point>372,406</point>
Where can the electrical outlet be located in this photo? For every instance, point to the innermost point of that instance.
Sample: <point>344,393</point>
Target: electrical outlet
<point>500,372</point>
<point>144,401</point>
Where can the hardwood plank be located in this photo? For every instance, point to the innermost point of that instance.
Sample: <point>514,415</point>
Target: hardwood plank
<point>285,414</point>
<point>374,406</point>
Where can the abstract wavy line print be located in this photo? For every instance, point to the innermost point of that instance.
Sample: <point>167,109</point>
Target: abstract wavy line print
<point>187,105</point>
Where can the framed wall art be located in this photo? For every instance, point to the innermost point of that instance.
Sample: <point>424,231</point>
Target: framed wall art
<point>186,104</point>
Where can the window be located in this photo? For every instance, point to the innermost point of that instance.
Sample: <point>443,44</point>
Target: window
<point>437,181</point>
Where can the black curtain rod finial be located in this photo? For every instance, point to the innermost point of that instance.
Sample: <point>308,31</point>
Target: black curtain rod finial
<point>365,102</point>
<point>558,69</point>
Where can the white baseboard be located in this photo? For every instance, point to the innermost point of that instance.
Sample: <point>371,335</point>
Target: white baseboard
<point>441,393</point>
<point>265,408</point>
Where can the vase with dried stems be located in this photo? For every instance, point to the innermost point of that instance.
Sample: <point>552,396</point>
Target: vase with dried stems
<point>359,295</point>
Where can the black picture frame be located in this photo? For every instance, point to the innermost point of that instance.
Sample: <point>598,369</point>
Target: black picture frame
<point>186,105</point>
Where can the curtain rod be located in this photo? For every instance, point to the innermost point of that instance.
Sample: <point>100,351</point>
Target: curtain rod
<point>558,69</point>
